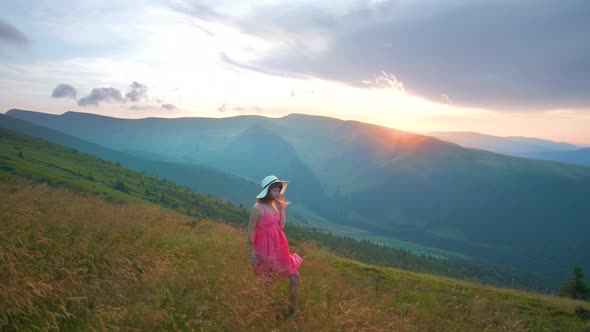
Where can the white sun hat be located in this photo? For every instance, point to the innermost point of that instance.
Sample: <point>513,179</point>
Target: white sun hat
<point>267,182</point>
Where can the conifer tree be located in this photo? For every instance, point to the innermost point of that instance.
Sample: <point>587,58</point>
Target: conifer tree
<point>120,186</point>
<point>575,287</point>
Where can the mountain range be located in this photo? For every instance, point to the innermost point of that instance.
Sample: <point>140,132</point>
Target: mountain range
<point>527,147</point>
<point>525,213</point>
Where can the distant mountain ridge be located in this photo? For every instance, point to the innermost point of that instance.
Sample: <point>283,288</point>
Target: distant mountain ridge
<point>526,213</point>
<point>579,157</point>
<point>527,147</point>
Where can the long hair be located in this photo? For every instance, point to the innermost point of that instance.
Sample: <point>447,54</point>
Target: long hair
<point>268,199</point>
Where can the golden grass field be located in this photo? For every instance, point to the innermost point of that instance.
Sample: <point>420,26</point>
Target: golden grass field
<point>70,261</point>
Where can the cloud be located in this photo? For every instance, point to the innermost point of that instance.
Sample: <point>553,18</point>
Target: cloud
<point>504,55</point>
<point>445,98</point>
<point>261,68</point>
<point>64,91</point>
<point>386,81</point>
<point>137,92</point>
<point>11,34</point>
<point>99,95</point>
<point>207,32</point>
<point>224,108</point>
<point>197,9</point>
<point>141,107</point>
<point>151,107</point>
<point>248,109</point>
<point>240,109</point>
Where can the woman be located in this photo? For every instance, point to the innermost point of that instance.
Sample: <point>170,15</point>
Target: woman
<point>269,248</point>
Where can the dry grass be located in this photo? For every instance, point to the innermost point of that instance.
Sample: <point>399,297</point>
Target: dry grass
<point>91,264</point>
<point>74,262</point>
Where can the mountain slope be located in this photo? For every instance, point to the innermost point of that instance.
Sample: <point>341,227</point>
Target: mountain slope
<point>520,146</point>
<point>206,179</point>
<point>78,262</point>
<point>198,177</point>
<point>514,146</point>
<point>580,156</point>
<point>174,139</point>
<point>260,151</point>
<point>37,159</point>
<point>522,212</point>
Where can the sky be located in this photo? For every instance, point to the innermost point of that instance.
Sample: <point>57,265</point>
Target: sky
<point>505,68</point>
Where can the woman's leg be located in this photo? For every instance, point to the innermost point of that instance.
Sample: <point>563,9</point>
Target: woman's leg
<point>293,291</point>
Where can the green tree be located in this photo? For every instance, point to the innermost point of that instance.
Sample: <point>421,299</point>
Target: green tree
<point>120,186</point>
<point>575,287</point>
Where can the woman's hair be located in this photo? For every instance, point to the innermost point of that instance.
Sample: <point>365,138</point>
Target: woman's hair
<point>268,198</point>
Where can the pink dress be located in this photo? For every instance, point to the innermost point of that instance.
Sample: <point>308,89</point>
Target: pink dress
<point>272,248</point>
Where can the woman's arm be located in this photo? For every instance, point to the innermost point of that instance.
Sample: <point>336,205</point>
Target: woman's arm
<point>254,215</point>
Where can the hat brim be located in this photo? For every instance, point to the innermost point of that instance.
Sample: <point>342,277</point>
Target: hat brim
<point>264,191</point>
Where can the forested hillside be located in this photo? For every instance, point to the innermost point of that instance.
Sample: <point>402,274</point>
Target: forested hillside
<point>64,167</point>
<point>386,182</point>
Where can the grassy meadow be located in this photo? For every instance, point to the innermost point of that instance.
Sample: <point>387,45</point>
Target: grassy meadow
<point>98,264</point>
<point>90,245</point>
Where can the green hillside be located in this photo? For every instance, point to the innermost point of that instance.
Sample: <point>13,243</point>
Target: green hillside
<point>73,261</point>
<point>197,177</point>
<point>524,213</point>
<point>207,180</point>
<point>65,167</point>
